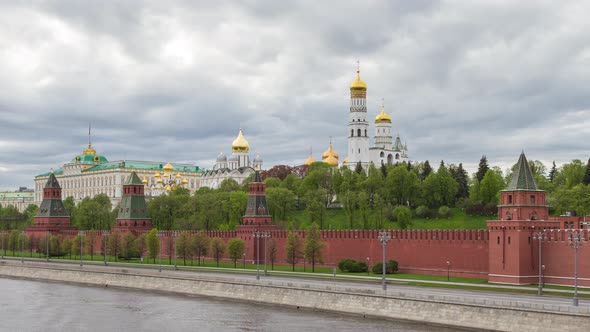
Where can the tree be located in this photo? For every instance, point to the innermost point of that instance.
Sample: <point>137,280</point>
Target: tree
<point>426,170</point>
<point>404,216</point>
<point>482,168</point>
<point>217,249</point>
<point>316,205</point>
<point>349,200</point>
<point>313,246</point>
<point>201,244</point>
<point>79,243</point>
<point>184,246</point>
<point>153,244</point>
<point>552,172</point>
<point>67,246</point>
<point>586,179</point>
<point>293,248</point>
<point>461,177</point>
<point>235,249</point>
<point>490,187</point>
<point>272,252</point>
<point>281,202</point>
<point>90,241</point>
<point>141,244</point>
<point>229,185</point>
<point>440,188</point>
<point>379,207</point>
<point>94,213</point>
<point>571,174</point>
<point>129,246</point>
<point>114,244</point>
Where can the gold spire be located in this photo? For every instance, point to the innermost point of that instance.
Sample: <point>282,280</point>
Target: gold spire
<point>89,150</point>
<point>358,84</point>
<point>240,144</point>
<point>310,159</point>
<point>382,117</point>
<point>168,168</point>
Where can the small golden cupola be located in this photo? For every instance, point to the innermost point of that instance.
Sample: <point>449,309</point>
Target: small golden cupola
<point>331,161</point>
<point>358,88</point>
<point>309,159</point>
<point>240,144</point>
<point>89,150</point>
<point>330,152</point>
<point>382,117</point>
<point>168,168</point>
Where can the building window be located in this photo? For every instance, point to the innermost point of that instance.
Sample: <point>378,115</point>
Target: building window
<point>358,132</point>
<point>365,132</point>
<point>352,132</point>
<point>532,199</point>
<point>509,199</point>
<point>498,240</point>
<point>509,240</point>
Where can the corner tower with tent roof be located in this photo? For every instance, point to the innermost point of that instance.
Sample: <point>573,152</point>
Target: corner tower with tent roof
<point>257,216</point>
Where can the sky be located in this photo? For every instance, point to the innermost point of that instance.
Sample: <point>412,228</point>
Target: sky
<point>175,80</point>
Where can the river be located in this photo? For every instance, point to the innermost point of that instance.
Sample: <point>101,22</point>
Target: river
<point>42,306</point>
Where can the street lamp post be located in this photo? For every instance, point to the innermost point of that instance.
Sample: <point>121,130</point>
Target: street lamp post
<point>384,237</point>
<point>265,235</point>
<point>174,236</point>
<point>368,265</point>
<point>257,235</point>
<point>541,236</point>
<point>81,234</point>
<point>105,234</point>
<point>448,270</point>
<point>22,248</point>
<point>244,260</point>
<point>47,245</point>
<point>160,235</point>
<point>574,239</point>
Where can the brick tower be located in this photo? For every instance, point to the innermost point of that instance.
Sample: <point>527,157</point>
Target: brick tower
<point>257,216</point>
<point>521,211</point>
<point>133,213</point>
<point>52,215</point>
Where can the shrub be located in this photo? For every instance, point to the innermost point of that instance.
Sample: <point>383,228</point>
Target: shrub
<point>390,268</point>
<point>422,211</point>
<point>444,212</point>
<point>350,265</point>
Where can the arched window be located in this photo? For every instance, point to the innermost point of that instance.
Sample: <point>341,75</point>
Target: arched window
<point>382,154</point>
<point>358,133</point>
<point>365,132</point>
<point>397,156</point>
<point>352,132</point>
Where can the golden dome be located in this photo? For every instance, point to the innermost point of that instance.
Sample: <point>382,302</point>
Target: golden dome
<point>358,84</point>
<point>144,181</point>
<point>168,167</point>
<point>382,117</point>
<point>240,144</point>
<point>178,175</point>
<point>331,161</point>
<point>157,176</point>
<point>329,152</point>
<point>184,181</point>
<point>89,150</point>
<point>159,180</point>
<point>167,187</point>
<point>345,161</point>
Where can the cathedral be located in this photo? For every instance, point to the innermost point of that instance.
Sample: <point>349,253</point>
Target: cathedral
<point>237,166</point>
<point>385,149</point>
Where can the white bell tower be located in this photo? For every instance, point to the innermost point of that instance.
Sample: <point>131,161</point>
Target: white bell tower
<point>358,127</point>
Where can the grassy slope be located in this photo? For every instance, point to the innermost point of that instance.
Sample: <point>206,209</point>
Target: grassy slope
<point>337,219</point>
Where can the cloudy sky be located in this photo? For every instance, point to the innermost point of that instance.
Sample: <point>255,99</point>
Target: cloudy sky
<point>175,80</point>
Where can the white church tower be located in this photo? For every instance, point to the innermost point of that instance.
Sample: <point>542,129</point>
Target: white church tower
<point>358,127</point>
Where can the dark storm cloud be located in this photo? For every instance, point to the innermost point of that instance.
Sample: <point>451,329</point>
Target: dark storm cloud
<point>175,80</point>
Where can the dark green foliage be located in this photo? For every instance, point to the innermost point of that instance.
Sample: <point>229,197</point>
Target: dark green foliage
<point>482,169</point>
<point>426,170</point>
<point>350,265</point>
<point>552,172</point>
<point>390,268</point>
<point>586,180</point>
<point>444,212</point>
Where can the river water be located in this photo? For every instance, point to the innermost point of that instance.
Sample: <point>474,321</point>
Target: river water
<point>42,306</point>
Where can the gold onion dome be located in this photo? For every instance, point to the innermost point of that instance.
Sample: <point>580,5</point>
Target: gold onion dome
<point>382,117</point>
<point>240,144</point>
<point>144,181</point>
<point>331,161</point>
<point>167,187</point>
<point>89,150</point>
<point>345,161</point>
<point>329,152</point>
<point>309,160</point>
<point>168,168</point>
<point>358,84</point>
<point>184,181</point>
<point>157,176</point>
<point>178,175</point>
<point>159,180</point>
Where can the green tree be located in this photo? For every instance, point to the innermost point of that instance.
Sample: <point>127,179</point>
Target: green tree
<point>482,168</point>
<point>235,249</point>
<point>586,179</point>
<point>349,200</point>
<point>293,248</point>
<point>281,202</point>
<point>65,246</point>
<point>80,243</point>
<point>552,172</point>
<point>153,244</point>
<point>272,182</point>
<point>404,216</point>
<point>379,207</point>
<point>129,246</point>
<point>94,213</point>
<point>571,174</point>
<point>316,205</point>
<point>426,170</point>
<point>184,246</point>
<point>272,252</point>
<point>490,187</point>
<point>440,188</point>
<point>313,246</point>
<point>201,243</point>
<point>217,249</point>
<point>229,185</point>
<point>460,176</point>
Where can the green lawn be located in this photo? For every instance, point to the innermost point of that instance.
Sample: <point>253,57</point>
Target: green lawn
<point>337,219</point>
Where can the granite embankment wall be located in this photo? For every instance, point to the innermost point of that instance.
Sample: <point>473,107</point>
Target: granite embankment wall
<point>487,314</point>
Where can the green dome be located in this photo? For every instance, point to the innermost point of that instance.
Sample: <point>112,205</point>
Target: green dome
<point>88,158</point>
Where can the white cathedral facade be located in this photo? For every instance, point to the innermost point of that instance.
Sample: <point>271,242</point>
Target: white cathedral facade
<point>385,149</point>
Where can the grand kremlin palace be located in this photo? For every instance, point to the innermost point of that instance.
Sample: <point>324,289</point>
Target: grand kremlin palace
<point>89,174</point>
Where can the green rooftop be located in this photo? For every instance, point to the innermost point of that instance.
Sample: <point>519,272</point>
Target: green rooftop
<point>522,178</point>
<point>143,165</point>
